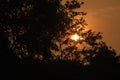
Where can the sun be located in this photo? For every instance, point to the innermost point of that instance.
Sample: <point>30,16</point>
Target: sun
<point>75,37</point>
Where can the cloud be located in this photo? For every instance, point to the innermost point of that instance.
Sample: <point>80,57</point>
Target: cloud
<point>106,10</point>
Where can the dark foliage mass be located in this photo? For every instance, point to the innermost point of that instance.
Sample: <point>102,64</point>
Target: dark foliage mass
<point>35,43</point>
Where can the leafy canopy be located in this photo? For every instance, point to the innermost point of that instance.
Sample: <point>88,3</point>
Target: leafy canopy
<point>50,30</point>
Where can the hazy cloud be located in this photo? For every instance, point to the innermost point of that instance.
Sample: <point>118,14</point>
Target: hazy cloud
<point>107,10</point>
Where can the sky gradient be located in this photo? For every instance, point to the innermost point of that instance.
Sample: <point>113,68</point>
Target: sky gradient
<point>103,16</point>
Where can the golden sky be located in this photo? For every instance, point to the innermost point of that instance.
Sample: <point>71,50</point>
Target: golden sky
<point>103,16</point>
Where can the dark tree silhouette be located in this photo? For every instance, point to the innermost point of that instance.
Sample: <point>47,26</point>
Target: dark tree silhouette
<point>8,60</point>
<point>78,44</point>
<point>52,31</point>
<point>31,25</point>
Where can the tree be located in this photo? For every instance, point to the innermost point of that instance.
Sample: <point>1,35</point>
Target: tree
<point>52,30</point>
<point>31,25</point>
<point>78,44</point>
<point>14,22</point>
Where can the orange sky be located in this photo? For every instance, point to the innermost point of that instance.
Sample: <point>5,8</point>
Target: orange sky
<point>103,16</point>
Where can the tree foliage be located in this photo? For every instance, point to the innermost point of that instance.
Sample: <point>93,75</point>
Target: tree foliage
<point>88,48</point>
<point>30,25</point>
<point>42,30</point>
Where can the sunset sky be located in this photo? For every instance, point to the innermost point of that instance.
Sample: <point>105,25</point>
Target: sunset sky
<point>104,16</point>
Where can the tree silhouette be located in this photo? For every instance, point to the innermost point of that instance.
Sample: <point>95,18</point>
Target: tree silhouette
<point>8,60</point>
<point>55,32</point>
<point>78,44</point>
<point>31,25</point>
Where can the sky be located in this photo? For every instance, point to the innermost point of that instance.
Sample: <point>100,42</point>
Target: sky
<point>104,16</point>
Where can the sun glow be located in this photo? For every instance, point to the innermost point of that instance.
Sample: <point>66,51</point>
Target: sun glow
<point>81,38</point>
<point>75,37</point>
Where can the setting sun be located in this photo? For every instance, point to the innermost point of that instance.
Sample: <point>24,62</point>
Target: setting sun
<point>75,37</point>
